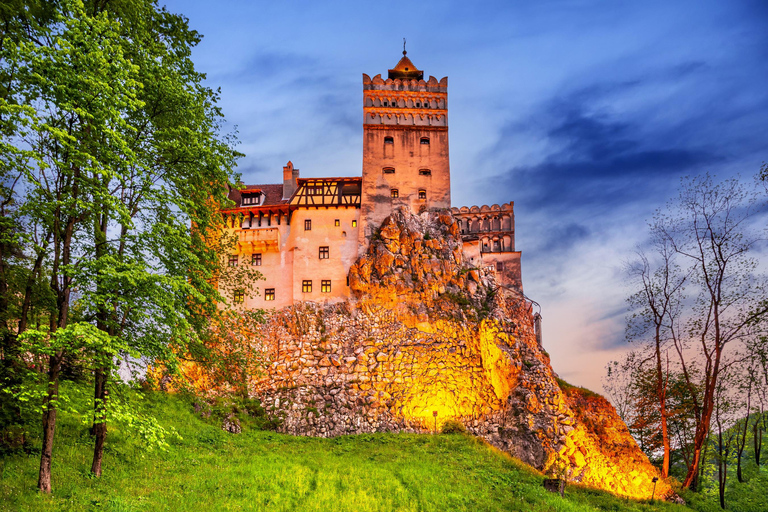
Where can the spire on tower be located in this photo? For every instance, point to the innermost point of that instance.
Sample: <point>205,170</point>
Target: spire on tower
<point>405,70</point>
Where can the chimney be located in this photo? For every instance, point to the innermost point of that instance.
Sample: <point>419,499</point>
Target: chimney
<point>290,175</point>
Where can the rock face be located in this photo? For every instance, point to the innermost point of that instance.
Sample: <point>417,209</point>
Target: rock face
<point>428,339</point>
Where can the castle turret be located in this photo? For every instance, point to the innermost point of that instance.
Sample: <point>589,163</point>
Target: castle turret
<point>405,144</point>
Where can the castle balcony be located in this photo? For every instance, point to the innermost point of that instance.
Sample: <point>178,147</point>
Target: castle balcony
<point>259,240</point>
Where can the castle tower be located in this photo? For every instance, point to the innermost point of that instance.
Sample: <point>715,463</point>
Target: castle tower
<point>405,144</point>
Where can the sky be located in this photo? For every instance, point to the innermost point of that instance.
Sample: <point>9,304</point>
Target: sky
<point>586,114</point>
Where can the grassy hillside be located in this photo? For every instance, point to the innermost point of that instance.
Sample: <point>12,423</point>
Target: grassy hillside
<point>207,469</point>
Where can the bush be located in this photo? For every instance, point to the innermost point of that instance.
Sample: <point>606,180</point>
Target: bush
<point>453,427</point>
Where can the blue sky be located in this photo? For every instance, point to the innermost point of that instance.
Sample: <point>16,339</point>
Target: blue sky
<point>585,113</point>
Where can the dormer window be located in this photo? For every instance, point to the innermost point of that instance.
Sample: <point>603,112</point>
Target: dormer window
<point>250,199</point>
<point>425,172</point>
<point>425,140</point>
<point>389,140</point>
<point>388,170</point>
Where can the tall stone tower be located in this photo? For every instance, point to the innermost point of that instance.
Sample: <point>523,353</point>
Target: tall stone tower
<point>405,144</point>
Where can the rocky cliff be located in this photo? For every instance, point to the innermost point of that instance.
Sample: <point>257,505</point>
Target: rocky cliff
<point>426,339</point>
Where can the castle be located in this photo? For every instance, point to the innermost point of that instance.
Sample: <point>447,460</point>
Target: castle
<point>304,235</point>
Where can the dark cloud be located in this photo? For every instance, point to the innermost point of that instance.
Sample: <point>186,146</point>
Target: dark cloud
<point>563,237</point>
<point>599,162</point>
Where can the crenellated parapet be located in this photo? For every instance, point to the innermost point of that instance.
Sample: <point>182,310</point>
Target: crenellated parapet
<point>405,101</point>
<point>493,226</point>
<point>379,84</point>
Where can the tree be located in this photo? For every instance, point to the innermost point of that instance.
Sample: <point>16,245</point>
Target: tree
<point>657,307</point>
<point>115,142</point>
<point>708,229</point>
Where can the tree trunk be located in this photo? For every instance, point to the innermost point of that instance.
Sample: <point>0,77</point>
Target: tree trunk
<point>722,466</point>
<point>661,393</point>
<point>99,420</point>
<point>757,439</point>
<point>49,424</point>
<point>721,476</point>
<point>63,294</point>
<point>27,304</point>
<point>704,421</point>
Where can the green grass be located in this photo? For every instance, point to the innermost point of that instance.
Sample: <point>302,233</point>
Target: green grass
<point>210,470</point>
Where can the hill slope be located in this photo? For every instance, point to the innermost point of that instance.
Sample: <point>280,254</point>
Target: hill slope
<point>208,469</point>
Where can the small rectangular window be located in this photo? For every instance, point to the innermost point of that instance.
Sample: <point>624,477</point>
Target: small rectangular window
<point>306,286</point>
<point>422,194</point>
<point>308,225</point>
<point>256,259</point>
<point>394,193</point>
<point>232,260</point>
<point>425,140</point>
<point>499,266</point>
<point>239,296</point>
<point>269,294</point>
<point>337,223</point>
<point>425,172</point>
<point>354,223</point>
<point>389,140</point>
<point>324,253</point>
<point>388,170</point>
<point>325,286</point>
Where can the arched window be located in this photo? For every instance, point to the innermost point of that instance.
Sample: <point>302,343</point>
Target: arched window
<point>422,194</point>
<point>388,170</point>
<point>425,140</point>
<point>394,193</point>
<point>389,140</point>
<point>425,172</point>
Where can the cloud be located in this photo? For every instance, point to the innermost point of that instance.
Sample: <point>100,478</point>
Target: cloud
<point>598,161</point>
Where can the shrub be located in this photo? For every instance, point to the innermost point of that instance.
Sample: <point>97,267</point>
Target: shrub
<point>452,426</point>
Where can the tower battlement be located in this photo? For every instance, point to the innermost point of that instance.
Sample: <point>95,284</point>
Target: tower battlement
<point>378,83</point>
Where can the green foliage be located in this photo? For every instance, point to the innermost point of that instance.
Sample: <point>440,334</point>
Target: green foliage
<point>453,426</point>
